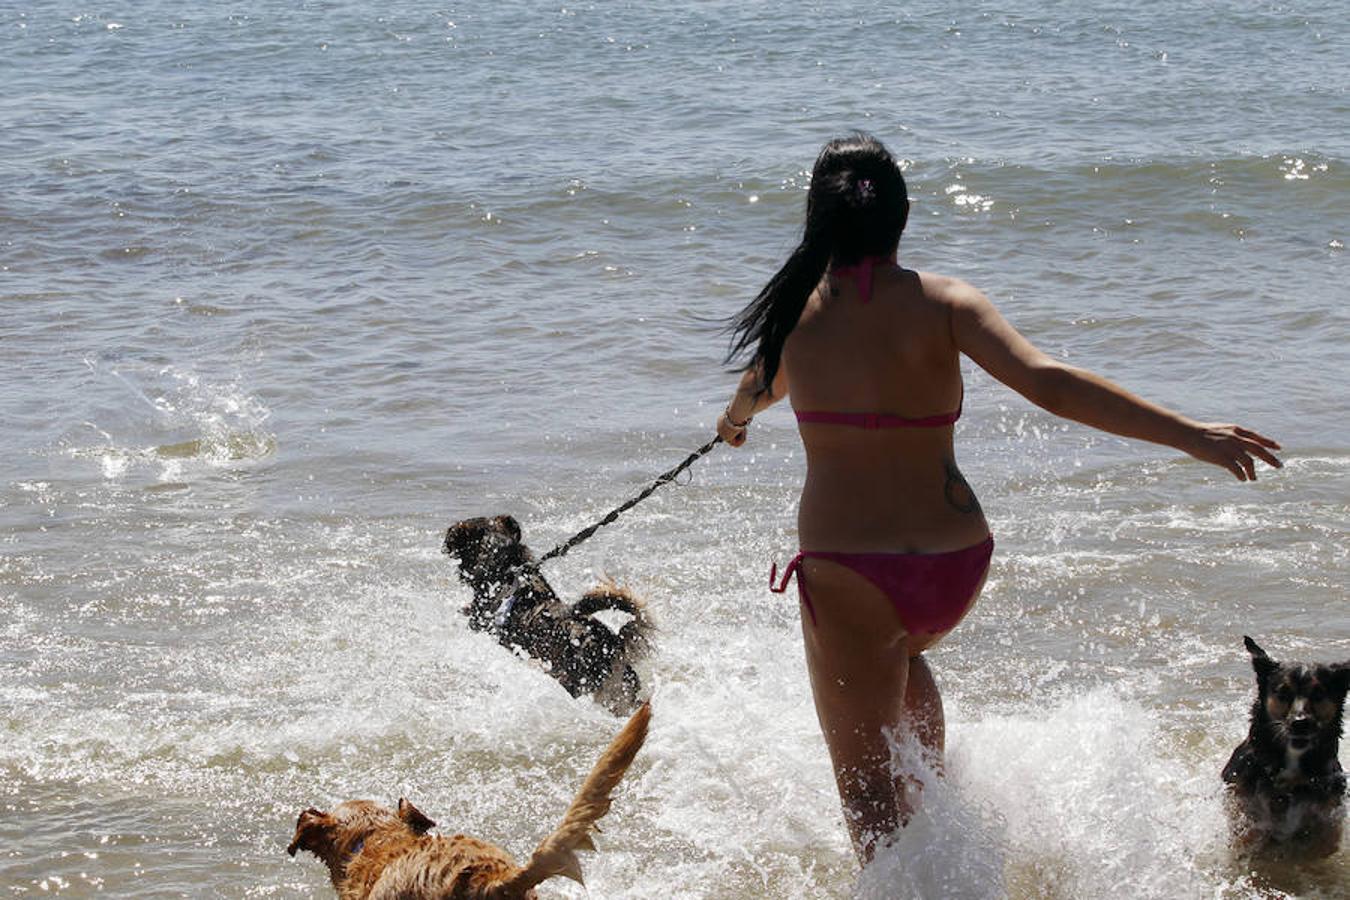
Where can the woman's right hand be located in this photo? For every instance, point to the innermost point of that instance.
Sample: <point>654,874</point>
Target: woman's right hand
<point>1232,447</point>
<point>733,434</point>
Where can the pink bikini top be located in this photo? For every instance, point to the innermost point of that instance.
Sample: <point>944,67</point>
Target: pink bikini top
<point>862,270</point>
<point>874,421</point>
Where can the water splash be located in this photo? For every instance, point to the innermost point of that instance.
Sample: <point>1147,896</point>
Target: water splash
<point>1082,799</point>
<point>182,422</point>
<point>953,845</point>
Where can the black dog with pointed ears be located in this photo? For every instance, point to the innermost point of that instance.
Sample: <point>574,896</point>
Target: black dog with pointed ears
<point>513,601</point>
<point>1286,786</point>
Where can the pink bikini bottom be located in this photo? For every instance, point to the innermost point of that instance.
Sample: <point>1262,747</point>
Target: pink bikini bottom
<point>931,592</point>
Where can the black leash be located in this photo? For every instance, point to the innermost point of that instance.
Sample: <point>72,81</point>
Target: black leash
<point>664,478</point>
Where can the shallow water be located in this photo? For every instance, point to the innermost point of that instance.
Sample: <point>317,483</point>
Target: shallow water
<point>284,292</point>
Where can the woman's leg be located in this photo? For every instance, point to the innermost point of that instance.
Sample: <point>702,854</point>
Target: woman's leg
<point>923,710</point>
<point>858,657</point>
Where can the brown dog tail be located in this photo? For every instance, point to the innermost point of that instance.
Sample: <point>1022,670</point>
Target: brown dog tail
<point>556,854</point>
<point>636,633</point>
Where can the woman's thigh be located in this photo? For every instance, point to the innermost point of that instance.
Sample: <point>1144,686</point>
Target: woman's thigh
<point>866,672</point>
<point>857,654</point>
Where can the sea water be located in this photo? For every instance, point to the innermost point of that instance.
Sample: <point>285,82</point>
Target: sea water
<point>286,288</point>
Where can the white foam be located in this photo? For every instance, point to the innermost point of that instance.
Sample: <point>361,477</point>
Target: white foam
<point>1080,800</point>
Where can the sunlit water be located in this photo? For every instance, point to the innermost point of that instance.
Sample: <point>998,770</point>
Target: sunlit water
<point>284,290</point>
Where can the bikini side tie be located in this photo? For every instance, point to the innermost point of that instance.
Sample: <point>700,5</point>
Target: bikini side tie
<point>793,568</point>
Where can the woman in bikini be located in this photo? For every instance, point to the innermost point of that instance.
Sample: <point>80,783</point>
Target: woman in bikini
<point>894,546</point>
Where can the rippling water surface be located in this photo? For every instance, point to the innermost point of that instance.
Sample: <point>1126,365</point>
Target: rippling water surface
<point>286,288</point>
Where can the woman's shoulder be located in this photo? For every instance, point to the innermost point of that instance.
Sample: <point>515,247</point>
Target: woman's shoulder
<point>946,288</point>
<point>955,295</point>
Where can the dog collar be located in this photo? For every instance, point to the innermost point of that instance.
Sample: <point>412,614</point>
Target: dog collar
<point>510,588</point>
<point>504,611</point>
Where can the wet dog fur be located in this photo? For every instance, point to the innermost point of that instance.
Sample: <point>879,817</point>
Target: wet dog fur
<point>512,600</point>
<point>375,853</point>
<point>1286,789</point>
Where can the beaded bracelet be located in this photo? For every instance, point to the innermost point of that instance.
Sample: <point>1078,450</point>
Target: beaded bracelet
<point>732,422</point>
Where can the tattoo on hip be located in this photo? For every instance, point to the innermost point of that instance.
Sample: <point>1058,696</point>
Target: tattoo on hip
<point>957,490</point>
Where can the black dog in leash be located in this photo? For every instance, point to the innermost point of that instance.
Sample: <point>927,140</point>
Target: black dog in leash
<point>513,601</point>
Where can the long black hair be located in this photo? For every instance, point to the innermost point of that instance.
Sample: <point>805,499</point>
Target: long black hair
<point>856,207</point>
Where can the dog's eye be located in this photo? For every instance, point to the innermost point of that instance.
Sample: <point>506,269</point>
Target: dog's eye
<point>1284,695</point>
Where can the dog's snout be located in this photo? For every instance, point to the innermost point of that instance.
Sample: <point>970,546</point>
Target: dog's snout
<point>456,536</point>
<point>1303,725</point>
<point>1301,716</point>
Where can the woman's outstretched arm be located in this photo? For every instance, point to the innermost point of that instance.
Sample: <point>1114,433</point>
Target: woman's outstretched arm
<point>748,400</point>
<point>985,336</point>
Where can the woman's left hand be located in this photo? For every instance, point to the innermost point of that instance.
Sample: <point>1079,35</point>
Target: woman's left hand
<point>1233,447</point>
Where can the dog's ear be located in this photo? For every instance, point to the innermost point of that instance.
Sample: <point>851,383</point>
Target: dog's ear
<point>1340,678</point>
<point>311,829</point>
<point>511,525</point>
<point>414,817</point>
<point>1262,663</point>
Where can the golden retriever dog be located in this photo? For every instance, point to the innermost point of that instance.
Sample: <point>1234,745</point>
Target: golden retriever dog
<point>375,853</point>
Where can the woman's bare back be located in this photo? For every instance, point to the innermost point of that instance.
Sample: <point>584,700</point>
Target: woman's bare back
<point>886,489</point>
